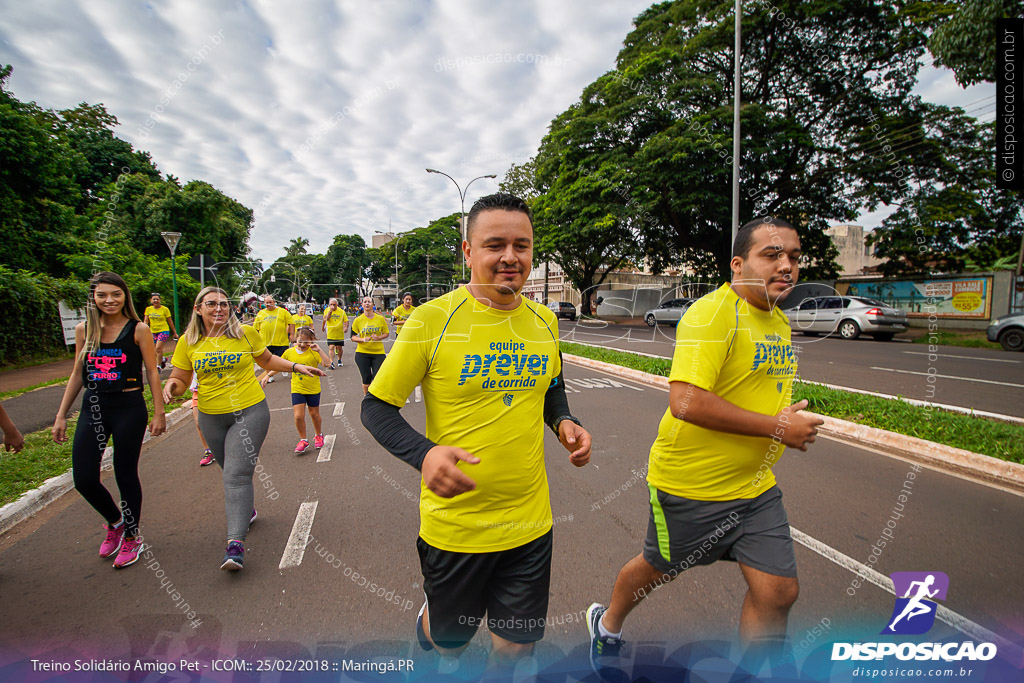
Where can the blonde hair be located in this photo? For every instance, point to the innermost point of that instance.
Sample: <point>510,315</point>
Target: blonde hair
<point>197,328</point>
<point>93,317</point>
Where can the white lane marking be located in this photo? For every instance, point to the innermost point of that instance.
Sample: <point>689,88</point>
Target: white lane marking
<point>950,355</point>
<point>299,538</point>
<point>339,408</point>
<point>419,394</point>
<point>328,448</point>
<point>957,621</point>
<point>964,379</point>
<point>599,383</point>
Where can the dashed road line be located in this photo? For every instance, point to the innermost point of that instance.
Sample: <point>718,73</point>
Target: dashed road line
<point>964,379</point>
<point>339,408</point>
<point>950,355</point>
<point>299,538</point>
<point>328,448</point>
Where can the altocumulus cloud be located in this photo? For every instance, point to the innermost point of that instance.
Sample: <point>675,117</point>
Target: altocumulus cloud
<point>320,115</point>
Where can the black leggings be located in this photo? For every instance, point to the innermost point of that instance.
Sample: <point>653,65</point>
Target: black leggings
<point>368,364</point>
<point>123,416</point>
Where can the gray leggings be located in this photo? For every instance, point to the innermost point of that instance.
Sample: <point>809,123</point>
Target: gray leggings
<point>235,440</point>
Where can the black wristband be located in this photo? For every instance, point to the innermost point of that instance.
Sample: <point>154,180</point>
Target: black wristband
<point>558,420</point>
<point>293,366</point>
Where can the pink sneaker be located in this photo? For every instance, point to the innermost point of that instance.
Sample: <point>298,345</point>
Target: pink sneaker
<point>301,446</point>
<point>112,542</point>
<point>130,549</point>
<point>207,459</point>
<point>318,440</point>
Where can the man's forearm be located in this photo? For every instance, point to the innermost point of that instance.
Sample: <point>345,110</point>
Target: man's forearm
<point>710,411</point>
<point>386,424</point>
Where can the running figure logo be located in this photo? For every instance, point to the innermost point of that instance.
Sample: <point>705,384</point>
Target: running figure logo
<point>914,613</point>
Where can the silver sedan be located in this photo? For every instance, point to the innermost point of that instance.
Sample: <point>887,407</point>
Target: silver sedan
<point>849,316</point>
<point>669,312</point>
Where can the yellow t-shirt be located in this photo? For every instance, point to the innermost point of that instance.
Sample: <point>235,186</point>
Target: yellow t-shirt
<point>743,355</point>
<point>224,367</point>
<point>335,324</point>
<point>300,383</point>
<point>302,321</point>
<point>401,314</point>
<point>363,326</point>
<point>158,318</point>
<point>273,325</point>
<point>483,383</point>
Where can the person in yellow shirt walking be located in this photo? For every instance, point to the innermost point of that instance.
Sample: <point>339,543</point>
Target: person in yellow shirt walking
<point>301,318</point>
<point>335,326</point>
<point>161,324</point>
<point>277,327</point>
<point>368,332</point>
<point>489,365</point>
<point>233,412</point>
<point>402,313</point>
<point>305,390</point>
<point>712,492</point>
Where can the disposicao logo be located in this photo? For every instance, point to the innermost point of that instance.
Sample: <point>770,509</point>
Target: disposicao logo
<point>914,614</point>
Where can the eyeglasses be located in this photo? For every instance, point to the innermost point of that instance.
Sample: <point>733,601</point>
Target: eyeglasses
<point>211,305</point>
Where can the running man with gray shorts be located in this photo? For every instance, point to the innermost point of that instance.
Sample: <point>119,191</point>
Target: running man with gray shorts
<point>712,491</point>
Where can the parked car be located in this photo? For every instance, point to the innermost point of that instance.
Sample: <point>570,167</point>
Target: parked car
<point>669,312</point>
<point>849,316</point>
<point>1008,330</point>
<point>563,309</point>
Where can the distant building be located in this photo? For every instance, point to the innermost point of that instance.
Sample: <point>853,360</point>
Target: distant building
<point>855,257</point>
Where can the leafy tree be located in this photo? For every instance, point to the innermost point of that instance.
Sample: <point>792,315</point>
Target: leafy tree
<point>965,39</point>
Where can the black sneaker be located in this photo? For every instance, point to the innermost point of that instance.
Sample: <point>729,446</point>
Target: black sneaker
<point>234,557</point>
<point>604,650</point>
<point>421,635</point>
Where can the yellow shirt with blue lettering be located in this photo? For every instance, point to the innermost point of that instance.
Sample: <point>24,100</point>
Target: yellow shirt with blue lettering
<point>302,321</point>
<point>273,325</point>
<point>300,383</point>
<point>335,324</point>
<point>400,315</point>
<point>158,317</point>
<point>484,374</point>
<point>364,327</point>
<point>744,355</point>
<point>225,370</point>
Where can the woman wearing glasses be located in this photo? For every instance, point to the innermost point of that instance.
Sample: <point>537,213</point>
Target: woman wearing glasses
<point>233,412</point>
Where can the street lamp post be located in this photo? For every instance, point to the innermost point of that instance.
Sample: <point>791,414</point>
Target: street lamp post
<point>462,205</point>
<point>172,239</point>
<point>394,238</point>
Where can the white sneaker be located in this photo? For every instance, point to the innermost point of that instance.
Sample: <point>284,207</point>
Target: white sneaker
<point>269,380</point>
<point>284,374</point>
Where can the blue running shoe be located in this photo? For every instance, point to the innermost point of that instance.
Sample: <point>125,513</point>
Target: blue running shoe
<point>234,557</point>
<point>604,650</point>
<point>421,635</point>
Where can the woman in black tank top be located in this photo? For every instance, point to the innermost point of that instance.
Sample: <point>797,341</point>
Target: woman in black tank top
<point>111,348</point>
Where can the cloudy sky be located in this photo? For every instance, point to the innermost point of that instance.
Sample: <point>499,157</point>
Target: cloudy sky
<point>322,116</point>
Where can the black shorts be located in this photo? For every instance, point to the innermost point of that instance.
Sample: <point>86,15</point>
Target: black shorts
<point>277,350</point>
<point>682,533</point>
<point>368,364</point>
<point>336,342</point>
<point>509,586</point>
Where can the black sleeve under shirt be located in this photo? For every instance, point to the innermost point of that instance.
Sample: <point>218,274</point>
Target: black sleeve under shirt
<point>386,424</point>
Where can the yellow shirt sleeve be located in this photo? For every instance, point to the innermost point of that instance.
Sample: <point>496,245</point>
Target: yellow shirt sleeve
<point>703,338</point>
<point>406,365</point>
<point>255,341</point>
<point>181,359</point>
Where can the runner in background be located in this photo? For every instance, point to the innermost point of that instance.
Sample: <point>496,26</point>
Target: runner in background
<point>301,319</point>
<point>402,313</point>
<point>111,348</point>
<point>305,390</point>
<point>368,331</point>
<point>207,458</point>
<point>275,325</point>
<point>233,412</point>
<point>335,326</point>
<point>161,322</point>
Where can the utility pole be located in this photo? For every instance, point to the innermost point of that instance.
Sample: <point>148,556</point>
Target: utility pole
<point>428,277</point>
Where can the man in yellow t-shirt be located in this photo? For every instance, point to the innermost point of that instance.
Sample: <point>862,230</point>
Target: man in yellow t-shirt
<point>402,313</point>
<point>276,326</point>
<point>490,369</point>
<point>161,324</point>
<point>335,326</point>
<point>712,492</point>
<point>301,318</point>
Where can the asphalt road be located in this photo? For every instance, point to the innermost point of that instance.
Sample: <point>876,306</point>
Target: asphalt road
<point>981,379</point>
<point>61,601</point>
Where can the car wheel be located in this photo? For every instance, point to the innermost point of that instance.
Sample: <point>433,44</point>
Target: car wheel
<point>651,320</point>
<point>849,329</point>
<point>1012,339</point>
<point>885,336</point>
<point>572,318</point>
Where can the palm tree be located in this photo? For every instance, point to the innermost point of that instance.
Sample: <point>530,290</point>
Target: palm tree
<point>296,248</point>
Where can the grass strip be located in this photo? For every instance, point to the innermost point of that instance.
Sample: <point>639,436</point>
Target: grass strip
<point>41,458</point>
<point>18,392</point>
<point>971,340</point>
<point>976,434</point>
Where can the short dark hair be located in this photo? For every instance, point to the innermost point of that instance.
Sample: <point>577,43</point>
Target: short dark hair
<point>493,202</point>
<point>745,235</point>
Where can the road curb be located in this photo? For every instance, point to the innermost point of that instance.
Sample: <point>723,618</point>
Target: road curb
<point>31,502</point>
<point>964,463</point>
